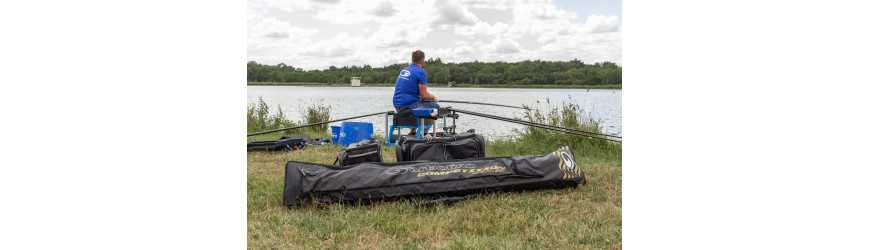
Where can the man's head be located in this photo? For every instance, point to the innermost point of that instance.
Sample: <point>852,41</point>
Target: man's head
<point>417,57</point>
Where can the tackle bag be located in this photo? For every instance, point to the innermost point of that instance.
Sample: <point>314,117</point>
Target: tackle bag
<point>364,151</point>
<point>367,182</point>
<point>466,145</point>
<point>288,143</point>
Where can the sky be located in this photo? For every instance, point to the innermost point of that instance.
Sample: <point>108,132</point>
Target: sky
<point>316,34</point>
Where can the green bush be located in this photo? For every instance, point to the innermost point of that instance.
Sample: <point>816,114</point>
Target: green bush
<point>260,119</point>
<point>315,114</point>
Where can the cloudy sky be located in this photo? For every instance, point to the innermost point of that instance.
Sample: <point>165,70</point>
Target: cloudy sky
<point>315,34</point>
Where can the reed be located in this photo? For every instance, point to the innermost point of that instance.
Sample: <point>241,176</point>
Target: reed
<point>260,117</point>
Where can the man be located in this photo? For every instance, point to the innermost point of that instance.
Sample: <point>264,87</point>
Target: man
<point>411,91</point>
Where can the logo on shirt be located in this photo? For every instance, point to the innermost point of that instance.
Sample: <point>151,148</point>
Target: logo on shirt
<point>404,74</point>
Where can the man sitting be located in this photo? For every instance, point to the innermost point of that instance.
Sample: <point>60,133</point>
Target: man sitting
<point>411,91</point>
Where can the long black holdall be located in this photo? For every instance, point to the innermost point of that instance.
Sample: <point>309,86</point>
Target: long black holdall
<point>367,182</point>
<point>466,145</point>
<point>364,151</point>
<point>288,143</point>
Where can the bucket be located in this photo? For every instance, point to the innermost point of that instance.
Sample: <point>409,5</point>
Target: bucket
<point>352,132</point>
<point>336,132</point>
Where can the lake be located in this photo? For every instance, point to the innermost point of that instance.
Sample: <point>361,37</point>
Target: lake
<point>604,105</point>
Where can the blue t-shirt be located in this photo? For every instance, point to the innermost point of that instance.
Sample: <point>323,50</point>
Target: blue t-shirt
<point>407,92</point>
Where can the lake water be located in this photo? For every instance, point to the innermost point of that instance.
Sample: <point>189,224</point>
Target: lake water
<point>604,105</point>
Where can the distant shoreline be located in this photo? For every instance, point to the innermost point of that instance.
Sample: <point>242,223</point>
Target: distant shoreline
<point>442,85</point>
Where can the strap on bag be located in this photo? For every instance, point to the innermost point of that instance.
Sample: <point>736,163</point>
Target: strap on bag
<point>362,154</point>
<point>338,159</point>
<point>343,155</point>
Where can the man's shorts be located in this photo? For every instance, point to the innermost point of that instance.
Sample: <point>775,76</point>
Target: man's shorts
<point>424,104</point>
<point>403,115</point>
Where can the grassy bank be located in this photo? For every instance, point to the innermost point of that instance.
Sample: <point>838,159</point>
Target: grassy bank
<point>443,85</point>
<point>587,217</point>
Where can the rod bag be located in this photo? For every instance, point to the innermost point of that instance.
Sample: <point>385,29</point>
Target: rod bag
<point>366,182</point>
<point>288,143</point>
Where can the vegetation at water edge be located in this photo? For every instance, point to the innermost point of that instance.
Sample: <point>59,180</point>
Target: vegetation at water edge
<point>260,118</point>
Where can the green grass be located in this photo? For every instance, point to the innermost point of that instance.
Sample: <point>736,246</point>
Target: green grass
<point>587,217</point>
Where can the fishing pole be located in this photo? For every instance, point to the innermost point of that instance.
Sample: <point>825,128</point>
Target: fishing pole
<point>558,129</point>
<point>315,124</point>
<point>536,124</point>
<point>483,103</point>
<point>544,126</point>
<point>562,130</point>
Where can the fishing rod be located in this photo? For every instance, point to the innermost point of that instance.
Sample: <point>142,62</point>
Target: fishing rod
<point>523,121</point>
<point>315,124</point>
<point>558,129</point>
<point>544,126</point>
<point>533,123</point>
<point>562,130</point>
<point>483,103</point>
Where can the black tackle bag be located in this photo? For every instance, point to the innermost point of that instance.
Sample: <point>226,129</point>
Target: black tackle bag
<point>364,151</point>
<point>288,143</point>
<point>466,145</point>
<point>450,180</point>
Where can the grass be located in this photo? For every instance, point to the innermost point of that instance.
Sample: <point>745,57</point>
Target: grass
<point>587,217</point>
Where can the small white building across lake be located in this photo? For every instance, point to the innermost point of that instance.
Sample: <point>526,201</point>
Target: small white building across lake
<point>355,81</point>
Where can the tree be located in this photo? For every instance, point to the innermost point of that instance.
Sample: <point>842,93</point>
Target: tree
<point>572,72</point>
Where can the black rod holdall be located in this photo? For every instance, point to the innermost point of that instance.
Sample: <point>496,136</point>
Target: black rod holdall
<point>288,143</point>
<point>453,180</point>
<point>466,145</point>
<point>364,151</point>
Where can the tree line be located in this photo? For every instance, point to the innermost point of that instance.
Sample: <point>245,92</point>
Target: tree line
<point>574,72</point>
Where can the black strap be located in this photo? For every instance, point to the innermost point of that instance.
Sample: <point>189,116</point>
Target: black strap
<point>362,154</point>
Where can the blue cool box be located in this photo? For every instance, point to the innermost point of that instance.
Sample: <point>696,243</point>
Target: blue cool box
<point>336,131</point>
<point>352,132</point>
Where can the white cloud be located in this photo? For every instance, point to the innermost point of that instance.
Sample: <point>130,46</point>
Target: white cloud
<point>594,47</point>
<point>601,24</point>
<point>340,46</point>
<point>317,34</point>
<point>282,5</point>
<point>488,4</point>
<point>277,35</point>
<point>394,36</point>
<point>326,1</point>
<point>452,13</point>
<point>481,30</point>
<point>384,9</point>
<point>506,47</point>
<point>265,31</point>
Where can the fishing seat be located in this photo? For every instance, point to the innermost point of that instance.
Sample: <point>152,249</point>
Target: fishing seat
<point>405,118</point>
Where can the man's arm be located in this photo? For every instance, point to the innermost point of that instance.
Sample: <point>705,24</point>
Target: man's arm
<point>424,91</point>
<point>425,94</point>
